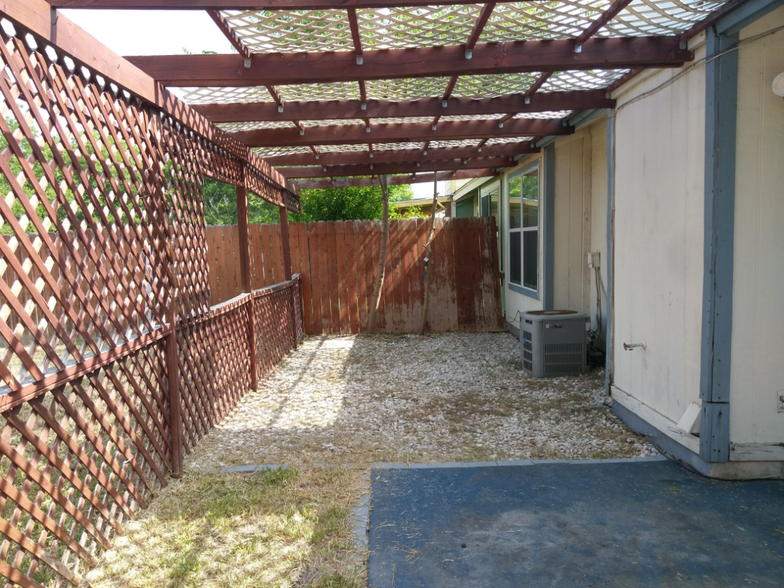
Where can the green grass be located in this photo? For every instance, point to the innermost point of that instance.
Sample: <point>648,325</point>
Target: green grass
<point>279,528</point>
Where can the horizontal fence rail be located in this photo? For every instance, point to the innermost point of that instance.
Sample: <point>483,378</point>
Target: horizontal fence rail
<point>338,262</point>
<point>113,361</point>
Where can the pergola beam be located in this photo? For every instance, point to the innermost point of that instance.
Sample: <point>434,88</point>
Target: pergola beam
<point>488,58</point>
<point>248,4</point>
<point>407,132</point>
<point>395,168</point>
<point>402,155</point>
<point>227,31</point>
<point>393,180</point>
<point>351,109</point>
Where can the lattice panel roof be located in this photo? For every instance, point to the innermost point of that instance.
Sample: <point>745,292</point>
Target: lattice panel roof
<point>562,81</point>
<point>304,92</point>
<point>398,146</point>
<point>507,140</point>
<point>406,89</point>
<point>491,86</point>
<point>454,143</point>
<point>271,31</point>
<point>644,17</point>
<point>467,117</point>
<point>344,121</point>
<point>545,115</point>
<point>425,27</point>
<point>416,26</point>
<point>275,151</point>
<point>342,148</point>
<point>541,20</point>
<point>254,125</point>
<point>224,95</point>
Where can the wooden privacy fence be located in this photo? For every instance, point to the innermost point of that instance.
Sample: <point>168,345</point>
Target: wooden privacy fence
<point>338,262</point>
<point>113,363</point>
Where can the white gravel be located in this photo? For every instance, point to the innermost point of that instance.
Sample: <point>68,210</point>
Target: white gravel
<point>445,397</point>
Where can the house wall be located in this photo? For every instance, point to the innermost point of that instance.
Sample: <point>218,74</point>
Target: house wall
<point>580,223</point>
<point>757,374</point>
<point>658,239</point>
<point>599,221</point>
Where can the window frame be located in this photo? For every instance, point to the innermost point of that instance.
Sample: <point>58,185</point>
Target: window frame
<point>514,286</point>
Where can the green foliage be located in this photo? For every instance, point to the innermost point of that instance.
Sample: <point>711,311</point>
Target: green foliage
<point>411,212</point>
<point>358,203</point>
<point>317,205</point>
<point>220,206</point>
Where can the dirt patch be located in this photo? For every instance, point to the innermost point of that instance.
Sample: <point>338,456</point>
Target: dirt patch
<point>446,397</point>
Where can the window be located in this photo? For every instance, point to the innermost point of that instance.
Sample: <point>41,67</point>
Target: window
<point>524,229</point>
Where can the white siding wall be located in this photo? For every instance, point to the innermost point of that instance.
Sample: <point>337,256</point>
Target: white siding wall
<point>572,230</point>
<point>599,215</point>
<point>758,295</point>
<point>659,227</point>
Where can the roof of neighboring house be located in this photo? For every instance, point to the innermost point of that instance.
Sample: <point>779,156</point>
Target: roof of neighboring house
<point>427,202</point>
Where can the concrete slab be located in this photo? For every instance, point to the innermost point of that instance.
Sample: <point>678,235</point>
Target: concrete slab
<point>631,524</point>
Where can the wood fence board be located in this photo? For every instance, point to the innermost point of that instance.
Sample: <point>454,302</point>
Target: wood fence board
<point>266,252</point>
<point>338,262</point>
<point>334,285</point>
<point>276,251</point>
<point>364,269</point>
<point>341,274</point>
<point>258,268</point>
<point>353,259</point>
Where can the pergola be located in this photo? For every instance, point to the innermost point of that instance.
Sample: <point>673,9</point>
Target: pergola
<point>332,93</point>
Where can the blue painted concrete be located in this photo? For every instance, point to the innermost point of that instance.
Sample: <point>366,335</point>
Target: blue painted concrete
<point>629,524</point>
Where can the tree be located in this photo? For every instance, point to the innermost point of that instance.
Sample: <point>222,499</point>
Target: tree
<point>220,206</point>
<point>359,203</point>
<point>356,203</point>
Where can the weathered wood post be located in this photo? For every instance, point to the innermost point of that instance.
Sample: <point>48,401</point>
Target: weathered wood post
<point>245,280</point>
<point>382,257</point>
<point>287,273</point>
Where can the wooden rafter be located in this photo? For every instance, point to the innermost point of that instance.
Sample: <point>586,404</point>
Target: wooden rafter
<point>394,133</point>
<point>235,41</point>
<point>248,4</point>
<point>489,58</point>
<point>402,155</point>
<point>395,168</point>
<point>351,109</point>
<point>428,177</point>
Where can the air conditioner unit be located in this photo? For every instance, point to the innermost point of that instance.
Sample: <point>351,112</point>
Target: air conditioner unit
<point>554,343</point>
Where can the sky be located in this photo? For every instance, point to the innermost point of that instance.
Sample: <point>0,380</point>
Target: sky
<point>168,32</point>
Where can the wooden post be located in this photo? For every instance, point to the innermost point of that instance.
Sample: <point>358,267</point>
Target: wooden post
<point>382,257</point>
<point>245,280</point>
<point>286,246</point>
<point>175,402</point>
<point>428,252</point>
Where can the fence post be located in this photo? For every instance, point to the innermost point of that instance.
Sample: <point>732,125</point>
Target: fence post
<point>286,246</point>
<point>245,280</point>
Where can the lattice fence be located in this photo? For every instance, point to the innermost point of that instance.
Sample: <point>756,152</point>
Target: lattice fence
<point>112,362</point>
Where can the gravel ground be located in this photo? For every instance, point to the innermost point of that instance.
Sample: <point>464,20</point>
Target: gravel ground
<point>446,397</point>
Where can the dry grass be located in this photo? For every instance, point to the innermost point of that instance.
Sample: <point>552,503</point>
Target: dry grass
<point>281,528</point>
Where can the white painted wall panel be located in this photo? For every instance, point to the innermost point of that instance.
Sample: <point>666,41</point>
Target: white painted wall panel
<point>599,216</point>
<point>659,227</point>
<point>572,229</point>
<point>758,293</point>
